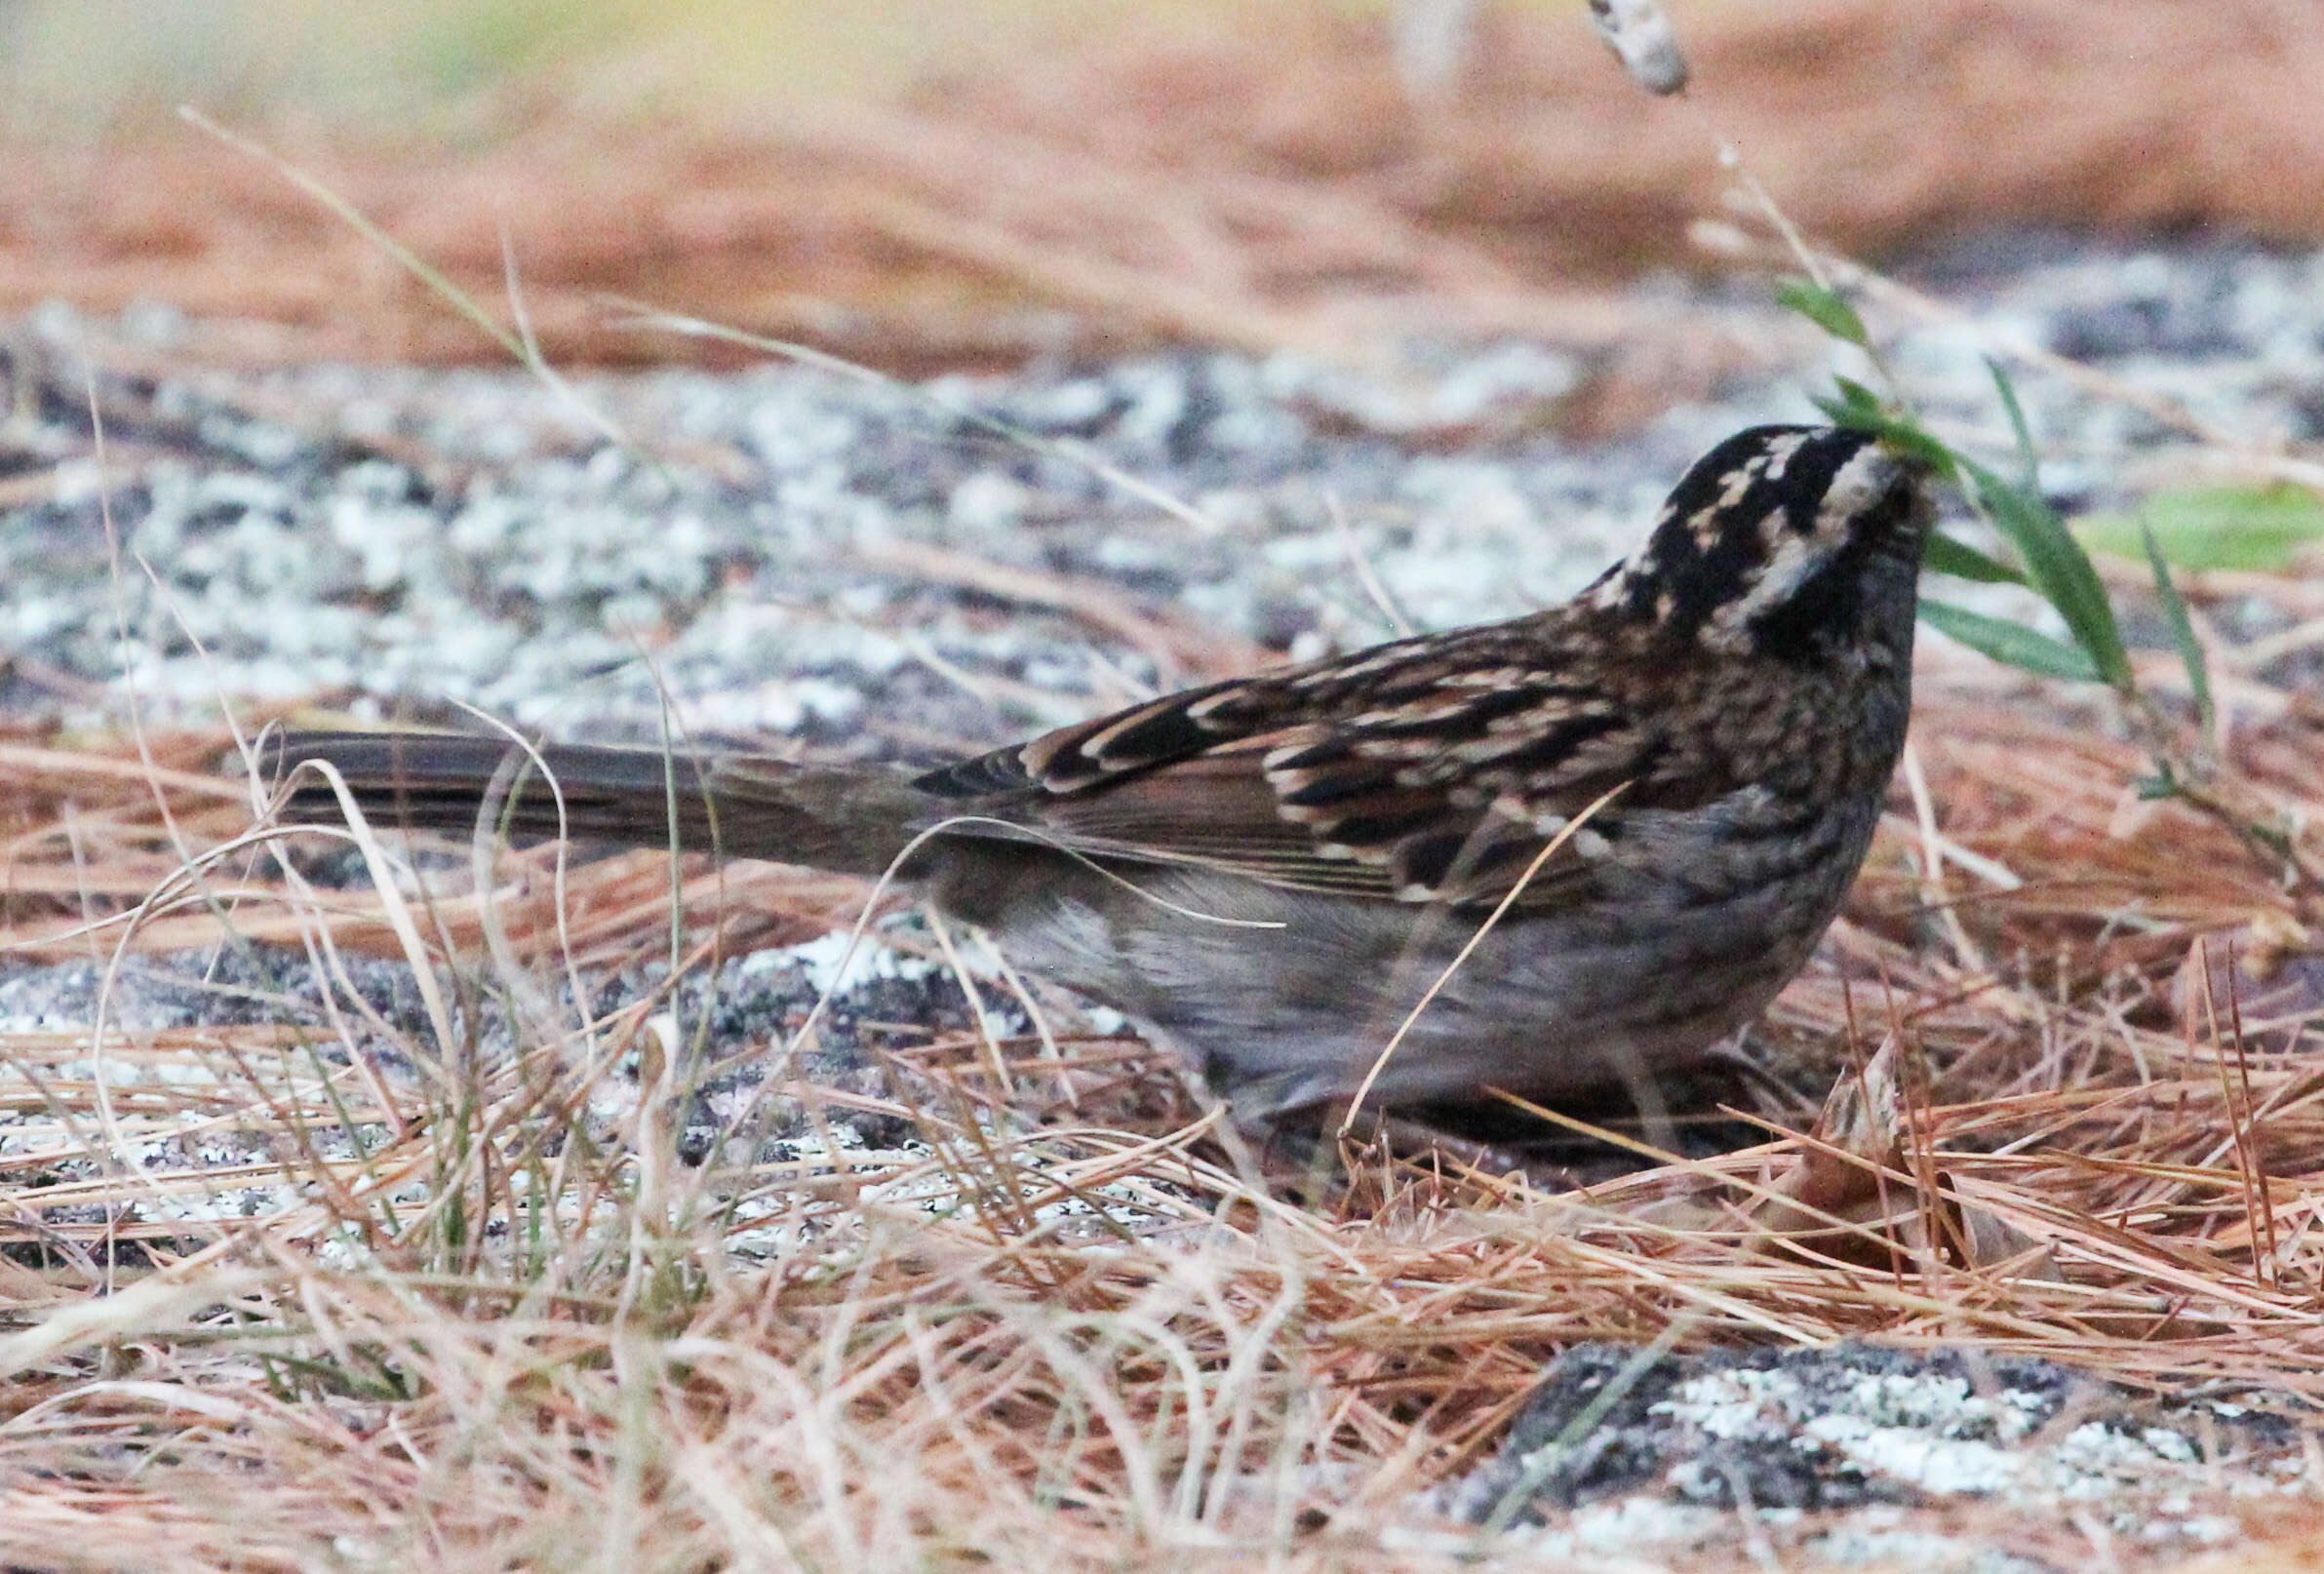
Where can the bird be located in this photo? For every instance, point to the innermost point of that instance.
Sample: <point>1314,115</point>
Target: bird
<point>1558,856</point>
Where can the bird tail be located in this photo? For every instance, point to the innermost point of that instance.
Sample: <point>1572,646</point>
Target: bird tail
<point>744,806</point>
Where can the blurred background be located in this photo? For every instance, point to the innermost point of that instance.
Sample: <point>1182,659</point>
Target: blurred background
<point>928,187</point>
<point>77,70</point>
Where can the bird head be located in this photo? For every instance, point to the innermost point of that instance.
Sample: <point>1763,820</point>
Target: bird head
<point>1785,541</point>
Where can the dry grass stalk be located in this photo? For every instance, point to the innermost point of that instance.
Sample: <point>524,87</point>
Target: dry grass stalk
<point>506,1323</point>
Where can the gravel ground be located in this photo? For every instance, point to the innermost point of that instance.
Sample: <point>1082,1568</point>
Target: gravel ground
<point>1639,1453</point>
<point>408,538</point>
<point>766,560</point>
<point>761,552</point>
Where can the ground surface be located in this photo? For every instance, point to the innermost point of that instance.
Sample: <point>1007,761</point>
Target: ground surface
<point>793,559</point>
<point>862,1253</point>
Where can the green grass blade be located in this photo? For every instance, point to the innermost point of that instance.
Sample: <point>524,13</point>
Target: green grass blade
<point>1942,554</point>
<point>1825,308</point>
<point>2057,567</point>
<point>2028,464</point>
<point>2182,631</point>
<point>1859,409</point>
<point>2256,528</point>
<point>2009,644</point>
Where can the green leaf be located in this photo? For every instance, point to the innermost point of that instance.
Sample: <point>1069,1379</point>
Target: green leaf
<point>2009,644</point>
<point>2057,567</point>
<point>1942,554</point>
<point>2182,630</point>
<point>2259,530</point>
<point>1825,308</point>
<point>1860,397</point>
<point>1860,410</point>
<point>2028,464</point>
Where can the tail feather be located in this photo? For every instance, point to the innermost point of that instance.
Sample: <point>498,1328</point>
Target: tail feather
<point>744,806</point>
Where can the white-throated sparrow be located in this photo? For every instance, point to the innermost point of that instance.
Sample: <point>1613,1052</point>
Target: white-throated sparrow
<point>1740,686</point>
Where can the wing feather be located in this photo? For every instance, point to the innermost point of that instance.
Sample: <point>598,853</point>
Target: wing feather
<point>1428,771</point>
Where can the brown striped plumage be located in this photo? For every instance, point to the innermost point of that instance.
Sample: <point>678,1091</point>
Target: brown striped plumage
<point>1271,871</point>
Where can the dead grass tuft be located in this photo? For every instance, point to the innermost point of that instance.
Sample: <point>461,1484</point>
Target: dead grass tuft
<point>478,1311</point>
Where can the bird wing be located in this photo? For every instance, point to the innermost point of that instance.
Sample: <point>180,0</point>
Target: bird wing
<point>1433,770</point>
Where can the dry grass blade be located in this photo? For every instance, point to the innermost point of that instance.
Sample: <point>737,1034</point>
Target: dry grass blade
<point>1068,1344</point>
